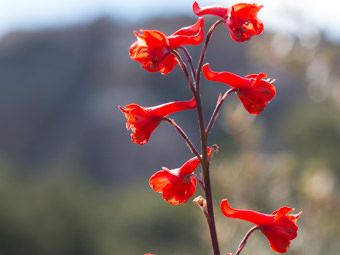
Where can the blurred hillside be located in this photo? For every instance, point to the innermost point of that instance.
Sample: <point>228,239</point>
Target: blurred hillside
<point>62,138</point>
<point>59,102</point>
<point>60,90</point>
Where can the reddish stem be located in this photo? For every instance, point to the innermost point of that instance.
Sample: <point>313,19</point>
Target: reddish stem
<point>185,70</point>
<point>244,240</point>
<point>204,49</point>
<point>185,137</point>
<point>204,137</point>
<point>199,181</point>
<point>216,111</point>
<point>204,143</point>
<point>189,59</point>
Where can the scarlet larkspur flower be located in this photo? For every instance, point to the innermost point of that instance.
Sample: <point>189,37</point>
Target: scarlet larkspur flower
<point>153,48</point>
<point>177,185</point>
<point>252,90</point>
<point>279,227</point>
<point>144,120</point>
<point>241,19</point>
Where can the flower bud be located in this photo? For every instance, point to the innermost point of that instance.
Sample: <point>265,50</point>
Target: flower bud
<point>201,202</point>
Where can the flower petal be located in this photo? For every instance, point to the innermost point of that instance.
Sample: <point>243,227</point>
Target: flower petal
<point>168,64</point>
<point>179,192</point>
<point>216,10</point>
<point>248,215</point>
<point>277,242</point>
<point>255,97</point>
<point>160,179</point>
<point>192,35</point>
<point>231,79</point>
<point>163,110</point>
<point>189,166</point>
<point>191,30</point>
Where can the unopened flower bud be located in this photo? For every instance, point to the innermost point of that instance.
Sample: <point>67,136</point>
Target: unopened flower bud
<point>213,150</point>
<point>201,202</point>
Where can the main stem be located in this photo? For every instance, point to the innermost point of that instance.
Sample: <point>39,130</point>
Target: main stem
<point>204,135</point>
<point>210,208</point>
<point>204,143</point>
<point>205,168</point>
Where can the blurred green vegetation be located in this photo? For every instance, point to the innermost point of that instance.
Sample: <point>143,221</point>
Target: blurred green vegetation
<point>66,213</point>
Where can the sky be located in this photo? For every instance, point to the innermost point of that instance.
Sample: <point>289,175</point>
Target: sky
<point>284,15</point>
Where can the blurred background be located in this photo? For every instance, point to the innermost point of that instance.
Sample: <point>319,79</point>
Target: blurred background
<point>73,183</point>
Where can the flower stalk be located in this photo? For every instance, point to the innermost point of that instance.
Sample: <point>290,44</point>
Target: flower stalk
<point>205,163</point>
<point>185,137</point>
<point>245,239</point>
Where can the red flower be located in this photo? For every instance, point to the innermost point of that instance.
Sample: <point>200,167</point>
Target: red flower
<point>153,48</point>
<point>278,227</point>
<point>177,185</point>
<point>241,19</point>
<point>252,90</point>
<point>143,120</point>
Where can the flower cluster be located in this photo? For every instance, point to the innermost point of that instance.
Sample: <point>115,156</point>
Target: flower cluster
<point>157,52</point>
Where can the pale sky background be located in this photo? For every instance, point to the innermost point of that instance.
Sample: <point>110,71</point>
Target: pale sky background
<point>294,15</point>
